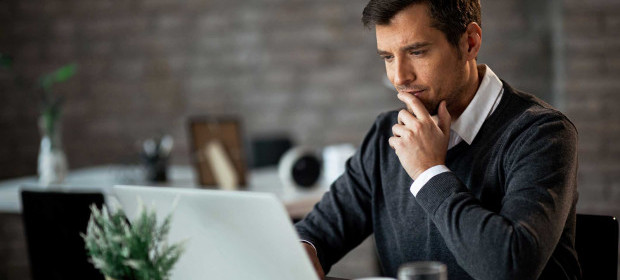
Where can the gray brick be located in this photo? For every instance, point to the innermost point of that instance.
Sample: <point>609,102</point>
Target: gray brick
<point>28,29</point>
<point>130,70</point>
<point>30,7</point>
<point>612,23</point>
<point>612,65</point>
<point>584,22</point>
<point>29,52</point>
<point>61,51</point>
<point>171,23</point>
<point>90,7</point>
<point>581,44</point>
<point>586,66</point>
<point>63,28</point>
<point>98,49</point>
<point>5,10</point>
<point>592,86</point>
<point>597,5</point>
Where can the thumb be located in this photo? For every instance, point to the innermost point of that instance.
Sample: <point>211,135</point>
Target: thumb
<point>444,118</point>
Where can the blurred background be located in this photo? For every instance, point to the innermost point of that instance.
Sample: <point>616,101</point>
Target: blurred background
<point>307,69</point>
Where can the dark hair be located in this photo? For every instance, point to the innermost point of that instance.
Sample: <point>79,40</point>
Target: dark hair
<point>448,16</point>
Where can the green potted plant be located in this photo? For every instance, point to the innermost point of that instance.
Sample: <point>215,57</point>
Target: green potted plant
<point>52,163</point>
<point>52,167</point>
<point>130,251</point>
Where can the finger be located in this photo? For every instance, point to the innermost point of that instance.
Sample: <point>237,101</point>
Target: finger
<point>405,117</point>
<point>435,119</point>
<point>399,130</point>
<point>445,119</point>
<point>415,105</point>
<point>392,142</point>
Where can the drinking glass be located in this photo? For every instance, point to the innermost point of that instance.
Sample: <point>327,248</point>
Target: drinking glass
<point>423,271</point>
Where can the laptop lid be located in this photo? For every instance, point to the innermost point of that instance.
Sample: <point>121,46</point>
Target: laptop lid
<point>229,234</point>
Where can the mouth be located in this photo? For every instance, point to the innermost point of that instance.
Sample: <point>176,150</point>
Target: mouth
<point>416,93</point>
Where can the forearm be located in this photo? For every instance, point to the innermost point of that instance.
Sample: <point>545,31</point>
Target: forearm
<point>342,219</point>
<point>514,243</point>
<point>336,225</point>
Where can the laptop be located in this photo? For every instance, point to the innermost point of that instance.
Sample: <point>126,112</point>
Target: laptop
<point>228,234</point>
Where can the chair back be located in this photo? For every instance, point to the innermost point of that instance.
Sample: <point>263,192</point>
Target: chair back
<point>53,222</point>
<point>596,242</point>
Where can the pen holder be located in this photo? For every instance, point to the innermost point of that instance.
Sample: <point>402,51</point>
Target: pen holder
<point>156,168</point>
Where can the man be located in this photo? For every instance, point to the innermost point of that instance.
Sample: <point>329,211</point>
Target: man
<point>474,174</point>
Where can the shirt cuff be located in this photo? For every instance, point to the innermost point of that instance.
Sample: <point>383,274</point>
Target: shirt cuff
<point>428,174</point>
<point>310,243</point>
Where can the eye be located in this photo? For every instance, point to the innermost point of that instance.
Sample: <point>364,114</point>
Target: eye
<point>387,58</point>
<point>417,53</point>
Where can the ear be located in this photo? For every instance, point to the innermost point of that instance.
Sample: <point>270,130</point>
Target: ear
<point>471,41</point>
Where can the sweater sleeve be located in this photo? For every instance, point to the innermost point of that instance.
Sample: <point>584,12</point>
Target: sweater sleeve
<point>540,167</point>
<point>342,219</point>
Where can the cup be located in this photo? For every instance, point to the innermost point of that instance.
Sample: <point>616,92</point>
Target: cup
<point>423,271</point>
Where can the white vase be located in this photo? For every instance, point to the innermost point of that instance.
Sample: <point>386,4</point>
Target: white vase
<point>52,163</point>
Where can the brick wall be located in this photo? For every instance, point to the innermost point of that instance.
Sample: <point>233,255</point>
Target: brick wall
<point>307,68</point>
<point>13,249</point>
<point>592,70</point>
<point>145,66</point>
<point>592,48</point>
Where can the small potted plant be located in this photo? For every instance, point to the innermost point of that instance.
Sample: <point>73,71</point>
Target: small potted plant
<point>52,162</point>
<point>52,165</point>
<point>130,251</point>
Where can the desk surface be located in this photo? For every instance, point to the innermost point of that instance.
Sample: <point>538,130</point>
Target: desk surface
<point>102,178</point>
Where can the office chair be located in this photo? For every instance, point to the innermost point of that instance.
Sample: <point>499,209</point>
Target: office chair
<point>53,222</point>
<point>596,242</point>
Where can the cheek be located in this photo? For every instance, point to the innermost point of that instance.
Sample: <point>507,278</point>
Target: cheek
<point>389,70</point>
<point>426,74</point>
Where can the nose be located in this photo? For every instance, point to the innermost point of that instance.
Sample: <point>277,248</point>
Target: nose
<point>403,73</point>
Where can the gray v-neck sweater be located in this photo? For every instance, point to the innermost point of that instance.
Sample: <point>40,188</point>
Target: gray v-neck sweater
<point>506,211</point>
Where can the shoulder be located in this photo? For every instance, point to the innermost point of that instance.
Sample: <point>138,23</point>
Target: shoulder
<point>536,126</point>
<point>534,113</point>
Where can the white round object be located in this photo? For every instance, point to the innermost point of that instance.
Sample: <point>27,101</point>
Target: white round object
<point>300,168</point>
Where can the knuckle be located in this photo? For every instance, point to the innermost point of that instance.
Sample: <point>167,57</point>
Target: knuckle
<point>394,142</point>
<point>409,134</point>
<point>402,114</point>
<point>416,126</point>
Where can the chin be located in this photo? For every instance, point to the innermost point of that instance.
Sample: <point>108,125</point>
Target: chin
<point>432,108</point>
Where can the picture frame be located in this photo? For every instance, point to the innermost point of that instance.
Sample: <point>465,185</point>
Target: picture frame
<point>225,131</point>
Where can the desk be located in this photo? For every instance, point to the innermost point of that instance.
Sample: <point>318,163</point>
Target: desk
<point>101,178</point>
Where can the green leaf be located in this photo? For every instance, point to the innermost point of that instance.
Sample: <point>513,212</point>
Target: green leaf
<point>65,73</point>
<point>131,251</point>
<point>58,76</point>
<point>6,61</point>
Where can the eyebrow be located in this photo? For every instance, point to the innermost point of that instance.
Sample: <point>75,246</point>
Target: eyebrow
<point>406,48</point>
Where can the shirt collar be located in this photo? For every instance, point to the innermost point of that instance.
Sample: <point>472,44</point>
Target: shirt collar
<point>480,107</point>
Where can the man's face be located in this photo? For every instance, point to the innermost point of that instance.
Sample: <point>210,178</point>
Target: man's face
<point>420,60</point>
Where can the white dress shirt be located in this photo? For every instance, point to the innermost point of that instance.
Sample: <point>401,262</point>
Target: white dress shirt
<point>466,127</point>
